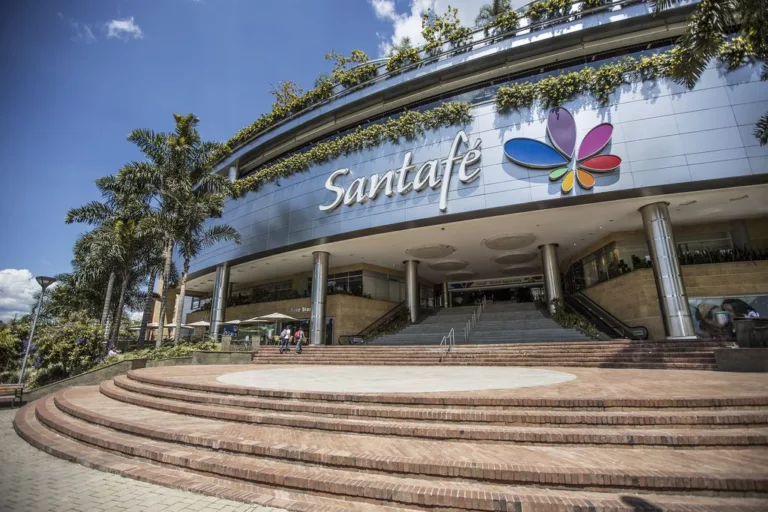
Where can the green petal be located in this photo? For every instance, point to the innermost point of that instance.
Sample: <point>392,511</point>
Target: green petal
<point>557,173</point>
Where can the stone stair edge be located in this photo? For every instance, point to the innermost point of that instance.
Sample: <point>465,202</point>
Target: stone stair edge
<point>730,417</point>
<point>504,474</point>
<point>443,400</point>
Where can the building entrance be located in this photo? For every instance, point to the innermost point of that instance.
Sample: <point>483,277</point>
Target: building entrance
<point>509,289</point>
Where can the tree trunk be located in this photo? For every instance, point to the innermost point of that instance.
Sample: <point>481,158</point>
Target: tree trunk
<point>168,254</point>
<point>107,302</point>
<point>180,302</point>
<point>119,313</point>
<point>147,309</point>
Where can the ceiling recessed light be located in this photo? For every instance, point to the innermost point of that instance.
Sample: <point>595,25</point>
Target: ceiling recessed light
<point>739,198</point>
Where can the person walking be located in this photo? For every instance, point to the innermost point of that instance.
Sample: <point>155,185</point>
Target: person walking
<point>299,337</point>
<point>285,340</point>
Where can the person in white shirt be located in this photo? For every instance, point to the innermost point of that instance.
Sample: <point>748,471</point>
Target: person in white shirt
<point>285,340</point>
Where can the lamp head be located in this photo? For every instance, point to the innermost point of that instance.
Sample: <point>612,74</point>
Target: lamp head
<point>44,281</point>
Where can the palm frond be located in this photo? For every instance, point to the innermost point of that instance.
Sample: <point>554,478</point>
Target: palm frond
<point>91,213</point>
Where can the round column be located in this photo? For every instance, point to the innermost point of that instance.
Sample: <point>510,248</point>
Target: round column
<point>673,300</point>
<point>412,288</point>
<point>553,286</point>
<point>219,300</point>
<point>445,294</point>
<point>319,292</point>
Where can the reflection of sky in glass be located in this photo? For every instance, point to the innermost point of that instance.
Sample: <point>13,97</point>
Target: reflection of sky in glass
<point>479,94</point>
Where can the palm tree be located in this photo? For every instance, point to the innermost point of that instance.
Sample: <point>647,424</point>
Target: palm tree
<point>117,244</point>
<point>178,173</point>
<point>708,29</point>
<point>190,245</point>
<point>490,11</point>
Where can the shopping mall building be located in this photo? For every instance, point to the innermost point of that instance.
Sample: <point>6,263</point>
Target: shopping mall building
<point>653,205</point>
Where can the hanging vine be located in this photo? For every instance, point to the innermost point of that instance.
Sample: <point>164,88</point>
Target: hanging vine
<point>408,125</point>
<point>601,82</point>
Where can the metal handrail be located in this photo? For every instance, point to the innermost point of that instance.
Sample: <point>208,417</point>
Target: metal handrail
<point>449,340</point>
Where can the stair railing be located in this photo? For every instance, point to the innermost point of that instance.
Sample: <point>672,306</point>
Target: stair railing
<point>472,320</point>
<point>448,341</point>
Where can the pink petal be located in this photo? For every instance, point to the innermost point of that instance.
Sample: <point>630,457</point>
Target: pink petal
<point>594,142</point>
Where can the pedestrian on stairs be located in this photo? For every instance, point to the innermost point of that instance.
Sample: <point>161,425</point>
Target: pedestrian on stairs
<point>299,337</point>
<point>285,340</point>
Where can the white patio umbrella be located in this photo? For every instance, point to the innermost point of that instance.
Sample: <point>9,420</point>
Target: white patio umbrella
<point>200,323</point>
<point>244,322</point>
<point>274,317</point>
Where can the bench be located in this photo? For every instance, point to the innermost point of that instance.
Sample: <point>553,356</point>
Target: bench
<point>11,393</point>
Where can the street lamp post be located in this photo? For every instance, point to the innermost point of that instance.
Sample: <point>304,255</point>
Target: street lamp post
<point>44,283</point>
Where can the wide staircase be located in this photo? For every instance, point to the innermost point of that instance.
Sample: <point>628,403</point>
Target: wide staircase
<point>511,322</point>
<point>682,355</point>
<point>501,322</point>
<point>322,451</point>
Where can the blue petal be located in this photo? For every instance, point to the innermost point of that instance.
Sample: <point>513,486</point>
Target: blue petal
<point>533,153</point>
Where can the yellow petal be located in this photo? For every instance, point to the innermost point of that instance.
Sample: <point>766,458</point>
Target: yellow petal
<point>568,183</point>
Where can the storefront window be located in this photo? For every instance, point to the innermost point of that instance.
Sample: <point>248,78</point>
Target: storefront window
<point>617,258</point>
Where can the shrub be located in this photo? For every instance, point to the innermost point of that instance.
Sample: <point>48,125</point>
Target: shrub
<point>68,347</point>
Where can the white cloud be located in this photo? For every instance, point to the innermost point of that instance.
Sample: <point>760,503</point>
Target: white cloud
<point>17,288</point>
<point>80,31</point>
<point>124,29</point>
<point>408,24</point>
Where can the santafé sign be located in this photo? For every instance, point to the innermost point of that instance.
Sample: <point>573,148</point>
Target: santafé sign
<point>429,175</point>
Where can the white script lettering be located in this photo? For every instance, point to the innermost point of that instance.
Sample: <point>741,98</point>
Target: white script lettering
<point>428,176</point>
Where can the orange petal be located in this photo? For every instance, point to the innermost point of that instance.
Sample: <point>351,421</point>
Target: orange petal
<point>586,180</point>
<point>568,183</point>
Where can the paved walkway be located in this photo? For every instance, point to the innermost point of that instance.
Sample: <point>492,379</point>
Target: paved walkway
<point>33,481</point>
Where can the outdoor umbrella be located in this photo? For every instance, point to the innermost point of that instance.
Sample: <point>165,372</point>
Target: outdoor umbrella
<point>200,323</point>
<point>274,317</point>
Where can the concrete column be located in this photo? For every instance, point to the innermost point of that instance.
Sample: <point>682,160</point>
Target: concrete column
<point>445,294</point>
<point>319,292</point>
<point>552,283</point>
<point>233,173</point>
<point>220,296</point>
<point>412,288</point>
<point>666,271</point>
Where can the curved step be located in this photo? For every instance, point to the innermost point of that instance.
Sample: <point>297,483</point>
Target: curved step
<point>169,379</point>
<point>29,427</point>
<point>656,470</point>
<point>446,431</point>
<point>744,417</point>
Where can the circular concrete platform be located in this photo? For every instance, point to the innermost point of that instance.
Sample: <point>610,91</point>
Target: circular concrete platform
<point>394,379</point>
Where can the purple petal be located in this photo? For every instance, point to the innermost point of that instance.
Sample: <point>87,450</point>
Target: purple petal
<point>562,131</point>
<point>594,142</point>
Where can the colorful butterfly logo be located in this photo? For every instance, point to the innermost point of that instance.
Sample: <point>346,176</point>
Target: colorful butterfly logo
<point>561,130</point>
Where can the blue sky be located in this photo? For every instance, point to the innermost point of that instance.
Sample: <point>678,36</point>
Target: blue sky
<point>79,75</point>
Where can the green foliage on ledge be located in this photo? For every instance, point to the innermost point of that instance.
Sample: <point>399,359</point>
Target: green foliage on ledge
<point>403,54</point>
<point>547,10</point>
<point>505,22</point>
<point>438,28</point>
<point>409,125</point>
<point>601,82</point>
<point>570,321</point>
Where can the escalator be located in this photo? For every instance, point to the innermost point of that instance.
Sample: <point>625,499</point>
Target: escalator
<point>581,305</point>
